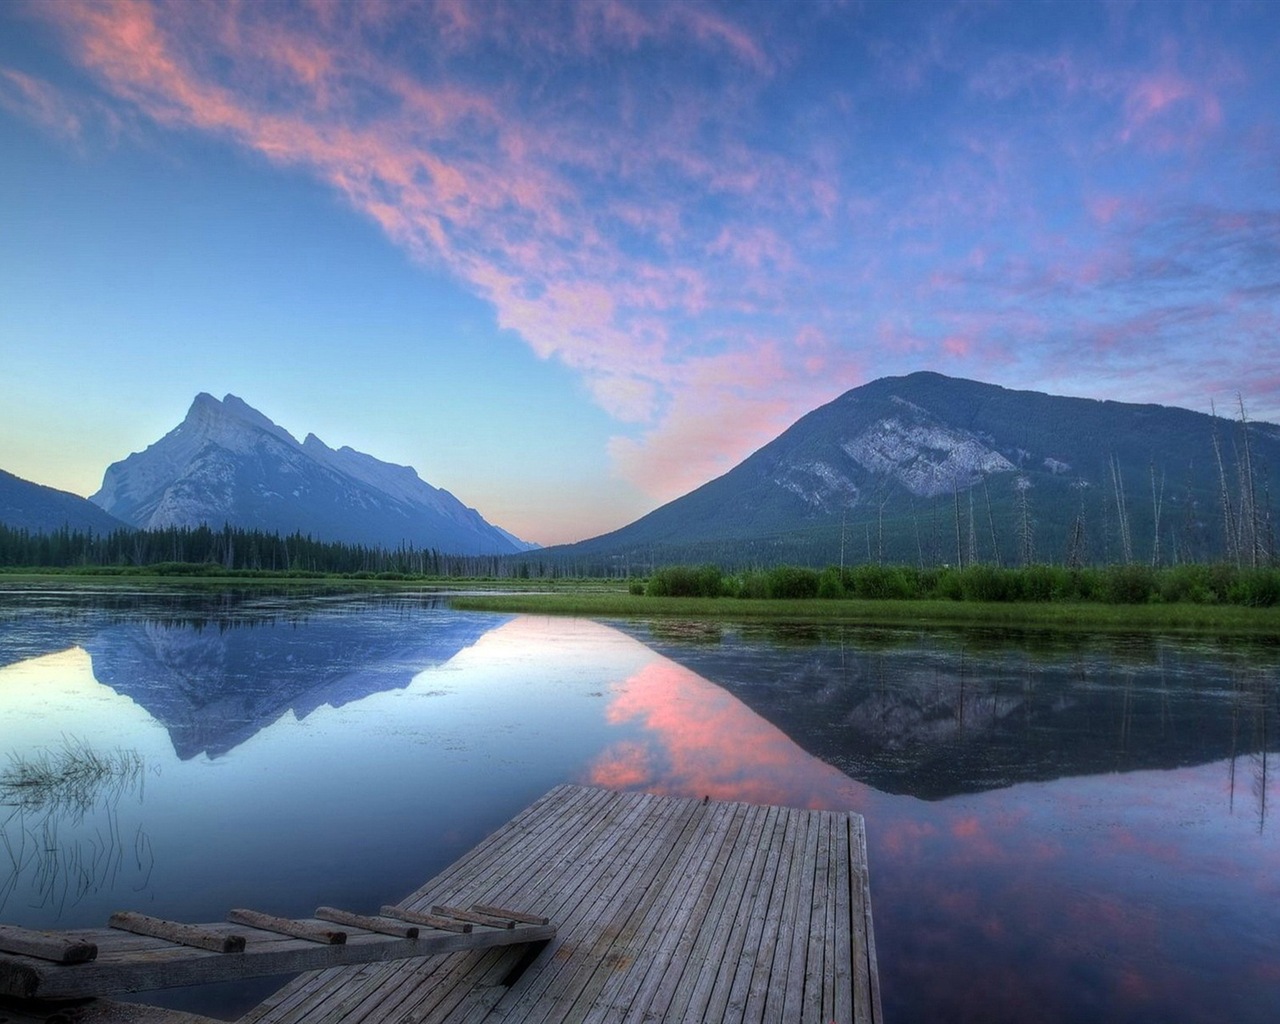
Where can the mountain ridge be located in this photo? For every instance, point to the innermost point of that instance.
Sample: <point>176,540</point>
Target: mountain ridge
<point>226,462</point>
<point>934,469</point>
<point>27,505</point>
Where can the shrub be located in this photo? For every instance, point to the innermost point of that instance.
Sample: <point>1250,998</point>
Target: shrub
<point>1257,588</point>
<point>1128,584</point>
<point>790,581</point>
<point>829,584</point>
<point>687,581</point>
<point>881,582</point>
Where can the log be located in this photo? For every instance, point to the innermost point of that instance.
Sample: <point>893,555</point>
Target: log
<point>174,931</point>
<point>59,947</point>
<point>430,920</point>
<point>509,915</point>
<point>369,924</point>
<point>462,914</point>
<point>287,926</point>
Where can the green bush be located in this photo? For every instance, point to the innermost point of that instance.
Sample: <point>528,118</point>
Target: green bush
<point>830,586</point>
<point>1257,588</point>
<point>790,581</point>
<point>1128,584</point>
<point>882,582</point>
<point>687,581</point>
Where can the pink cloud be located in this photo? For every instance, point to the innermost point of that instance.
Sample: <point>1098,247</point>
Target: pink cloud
<point>469,181</point>
<point>37,100</point>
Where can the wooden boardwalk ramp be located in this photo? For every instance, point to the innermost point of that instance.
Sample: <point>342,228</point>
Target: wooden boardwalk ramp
<point>665,910</point>
<point>137,952</point>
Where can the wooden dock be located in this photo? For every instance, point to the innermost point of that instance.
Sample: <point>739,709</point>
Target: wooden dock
<point>664,909</point>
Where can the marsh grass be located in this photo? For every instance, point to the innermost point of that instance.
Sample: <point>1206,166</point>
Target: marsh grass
<point>73,778</point>
<point>71,788</point>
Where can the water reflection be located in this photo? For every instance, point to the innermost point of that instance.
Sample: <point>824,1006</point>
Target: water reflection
<point>935,715</point>
<point>1060,829</point>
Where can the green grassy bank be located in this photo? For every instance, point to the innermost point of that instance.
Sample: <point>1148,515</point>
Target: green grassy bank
<point>1179,618</point>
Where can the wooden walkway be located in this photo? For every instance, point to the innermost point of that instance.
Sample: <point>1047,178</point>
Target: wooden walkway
<point>665,910</point>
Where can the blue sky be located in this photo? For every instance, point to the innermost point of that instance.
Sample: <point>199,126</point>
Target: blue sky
<point>570,260</point>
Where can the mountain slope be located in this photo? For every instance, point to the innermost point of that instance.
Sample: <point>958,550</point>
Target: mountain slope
<point>30,506</point>
<point>936,469</point>
<point>228,463</point>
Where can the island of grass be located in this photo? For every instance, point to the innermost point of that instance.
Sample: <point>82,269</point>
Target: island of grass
<point>1190,598</point>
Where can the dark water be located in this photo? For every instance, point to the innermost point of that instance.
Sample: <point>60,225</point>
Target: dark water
<point>1061,828</point>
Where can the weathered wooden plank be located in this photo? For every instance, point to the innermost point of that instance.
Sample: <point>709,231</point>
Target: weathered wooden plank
<point>382,925</point>
<point>447,986</point>
<point>287,926</point>
<point>710,994</point>
<point>666,907</point>
<point>463,914</point>
<point>564,1000</point>
<point>174,931</point>
<point>762,966</point>
<point>666,910</point>
<point>446,924</point>
<point>453,995</point>
<point>674,911</point>
<point>59,947</point>
<point>866,930</point>
<point>815,963</point>
<point>842,927</point>
<point>140,971</point>
<point>509,915</point>
<point>785,996</point>
<point>628,854</point>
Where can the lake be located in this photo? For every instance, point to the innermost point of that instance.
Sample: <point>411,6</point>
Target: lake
<point>1061,827</point>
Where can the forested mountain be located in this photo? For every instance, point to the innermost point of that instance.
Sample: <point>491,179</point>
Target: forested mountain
<point>226,463</point>
<point>931,469</point>
<point>33,507</point>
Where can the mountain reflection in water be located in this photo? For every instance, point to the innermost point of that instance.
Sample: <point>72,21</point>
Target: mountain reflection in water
<point>1060,829</point>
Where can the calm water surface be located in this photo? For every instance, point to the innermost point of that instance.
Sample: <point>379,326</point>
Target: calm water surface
<point>1060,829</point>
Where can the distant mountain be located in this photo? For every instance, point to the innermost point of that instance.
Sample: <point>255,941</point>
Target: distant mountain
<point>228,463</point>
<point>933,469</point>
<point>30,506</point>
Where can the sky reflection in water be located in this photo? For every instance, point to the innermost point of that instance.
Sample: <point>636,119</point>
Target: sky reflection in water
<point>1148,894</point>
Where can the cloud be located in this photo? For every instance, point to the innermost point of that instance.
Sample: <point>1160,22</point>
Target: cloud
<point>715,225</point>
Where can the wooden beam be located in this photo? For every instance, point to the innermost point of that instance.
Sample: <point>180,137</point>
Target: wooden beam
<point>174,931</point>
<point>287,926</point>
<point>142,964</point>
<point>462,914</point>
<point>430,920</point>
<point>369,924</point>
<point>59,947</point>
<point>509,915</point>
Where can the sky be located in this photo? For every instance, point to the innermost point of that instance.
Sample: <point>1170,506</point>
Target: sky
<point>572,260</point>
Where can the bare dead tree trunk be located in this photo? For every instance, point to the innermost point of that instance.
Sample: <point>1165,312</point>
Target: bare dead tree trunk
<point>1157,503</point>
<point>1247,492</point>
<point>991,523</point>
<point>973,534</point>
<point>955,494</point>
<point>1122,511</point>
<point>1026,541</point>
<point>1228,524</point>
<point>1076,544</point>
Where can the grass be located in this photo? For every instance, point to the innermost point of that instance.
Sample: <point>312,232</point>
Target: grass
<point>1190,618</point>
<point>73,777</point>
